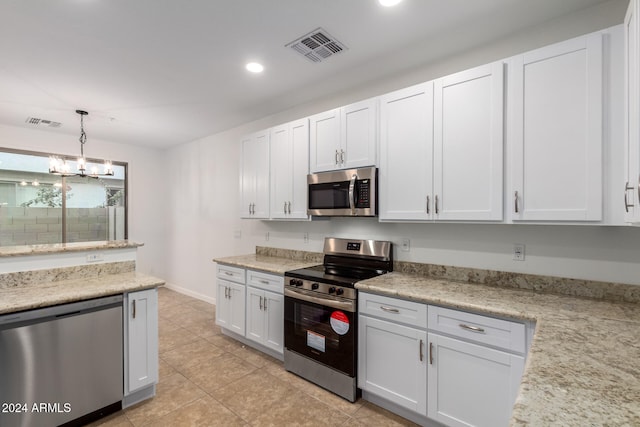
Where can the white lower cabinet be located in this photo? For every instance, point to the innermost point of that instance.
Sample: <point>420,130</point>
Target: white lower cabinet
<point>250,304</point>
<point>447,367</point>
<point>141,335</point>
<point>230,309</point>
<point>469,384</point>
<point>392,363</point>
<point>265,314</point>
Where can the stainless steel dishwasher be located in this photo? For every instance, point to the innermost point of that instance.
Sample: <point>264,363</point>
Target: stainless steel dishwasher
<point>61,364</point>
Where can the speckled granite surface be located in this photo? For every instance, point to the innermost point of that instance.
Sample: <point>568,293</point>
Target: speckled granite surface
<point>37,277</point>
<point>19,298</point>
<point>66,247</point>
<point>583,368</point>
<point>269,262</point>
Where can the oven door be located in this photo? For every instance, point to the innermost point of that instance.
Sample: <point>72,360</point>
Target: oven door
<point>323,329</point>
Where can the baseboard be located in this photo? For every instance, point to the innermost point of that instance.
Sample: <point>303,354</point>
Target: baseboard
<point>189,292</point>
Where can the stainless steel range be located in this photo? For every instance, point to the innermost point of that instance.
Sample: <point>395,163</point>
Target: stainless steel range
<point>320,312</point>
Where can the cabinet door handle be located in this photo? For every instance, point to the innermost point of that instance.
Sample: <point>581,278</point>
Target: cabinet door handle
<point>421,355</point>
<point>515,202</point>
<point>389,309</point>
<point>471,328</point>
<point>134,309</point>
<point>229,290</point>
<point>626,202</point>
<point>337,157</point>
<point>285,208</point>
<point>428,205</point>
<point>264,303</point>
<point>342,156</point>
<point>260,303</point>
<point>430,353</point>
<point>436,202</point>
<point>289,208</point>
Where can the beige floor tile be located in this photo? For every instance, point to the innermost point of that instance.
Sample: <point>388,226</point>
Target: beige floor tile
<point>193,354</point>
<point>204,328</point>
<point>164,369</point>
<point>373,415</point>
<point>224,342</point>
<point>203,306</point>
<point>172,393</point>
<point>251,355</point>
<point>300,410</point>
<point>218,372</point>
<point>119,419</point>
<point>168,340</point>
<point>200,413</point>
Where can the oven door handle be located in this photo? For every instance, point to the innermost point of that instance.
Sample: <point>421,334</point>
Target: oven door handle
<point>349,306</point>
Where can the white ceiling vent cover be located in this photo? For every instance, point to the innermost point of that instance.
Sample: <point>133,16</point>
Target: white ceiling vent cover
<point>42,122</point>
<point>317,46</point>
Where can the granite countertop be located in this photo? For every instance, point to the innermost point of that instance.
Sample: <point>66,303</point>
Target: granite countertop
<point>19,298</point>
<point>270,264</point>
<point>66,247</point>
<point>583,367</point>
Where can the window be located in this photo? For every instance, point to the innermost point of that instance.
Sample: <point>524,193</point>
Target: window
<point>37,207</point>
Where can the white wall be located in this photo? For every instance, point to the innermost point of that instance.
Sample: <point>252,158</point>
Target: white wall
<point>147,196</point>
<point>204,216</point>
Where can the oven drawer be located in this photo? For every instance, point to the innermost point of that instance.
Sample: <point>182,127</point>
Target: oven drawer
<point>503,334</point>
<point>397,310</point>
<point>233,274</point>
<point>266,281</point>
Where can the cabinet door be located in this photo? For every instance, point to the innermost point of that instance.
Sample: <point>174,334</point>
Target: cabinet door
<point>230,306</point>
<point>281,170</point>
<point>556,132</point>
<point>406,154</point>
<point>359,136</point>
<point>299,137</point>
<point>255,176</point>
<point>274,321</point>
<point>142,339</point>
<point>324,141</point>
<point>255,315</point>
<point>392,362</point>
<point>468,144</point>
<point>471,385</point>
<point>632,108</point>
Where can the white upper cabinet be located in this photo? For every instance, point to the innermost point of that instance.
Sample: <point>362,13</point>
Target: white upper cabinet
<point>254,176</point>
<point>632,108</point>
<point>344,138</point>
<point>289,169</point>
<point>556,135</point>
<point>406,153</point>
<point>468,145</point>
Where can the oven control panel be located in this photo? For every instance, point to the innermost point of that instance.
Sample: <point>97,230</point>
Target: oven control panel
<point>322,288</point>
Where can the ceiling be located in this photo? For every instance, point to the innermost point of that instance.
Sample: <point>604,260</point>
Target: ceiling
<point>164,72</point>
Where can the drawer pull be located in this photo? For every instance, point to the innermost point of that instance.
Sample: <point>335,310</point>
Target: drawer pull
<point>472,328</point>
<point>389,309</point>
<point>264,282</point>
<point>228,273</point>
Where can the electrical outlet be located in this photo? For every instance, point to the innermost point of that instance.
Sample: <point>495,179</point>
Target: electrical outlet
<point>305,237</point>
<point>405,245</point>
<point>518,252</point>
<point>95,257</point>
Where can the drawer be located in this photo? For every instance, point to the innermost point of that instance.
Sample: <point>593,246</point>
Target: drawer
<point>266,281</point>
<point>503,334</point>
<point>233,274</point>
<point>396,310</point>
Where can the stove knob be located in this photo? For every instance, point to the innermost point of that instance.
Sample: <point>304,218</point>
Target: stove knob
<point>339,291</point>
<point>314,286</point>
<point>292,282</point>
<point>332,289</point>
<point>298,283</point>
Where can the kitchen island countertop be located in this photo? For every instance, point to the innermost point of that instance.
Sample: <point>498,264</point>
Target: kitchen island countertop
<point>27,297</point>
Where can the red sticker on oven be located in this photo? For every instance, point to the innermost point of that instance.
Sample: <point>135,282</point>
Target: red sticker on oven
<point>339,322</point>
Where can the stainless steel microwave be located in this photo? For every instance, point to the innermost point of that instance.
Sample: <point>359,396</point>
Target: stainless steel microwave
<point>351,192</point>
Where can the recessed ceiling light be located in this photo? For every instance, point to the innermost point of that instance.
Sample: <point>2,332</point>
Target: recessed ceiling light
<point>389,3</point>
<point>254,67</point>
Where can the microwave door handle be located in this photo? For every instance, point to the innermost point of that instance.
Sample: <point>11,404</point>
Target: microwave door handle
<point>352,194</point>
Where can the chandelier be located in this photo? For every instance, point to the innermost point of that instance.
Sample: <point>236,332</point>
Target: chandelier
<point>59,166</point>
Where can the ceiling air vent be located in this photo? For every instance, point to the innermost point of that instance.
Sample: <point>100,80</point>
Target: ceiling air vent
<point>317,46</point>
<point>42,122</point>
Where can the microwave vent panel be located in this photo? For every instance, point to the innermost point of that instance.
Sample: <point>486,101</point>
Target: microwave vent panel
<point>317,45</point>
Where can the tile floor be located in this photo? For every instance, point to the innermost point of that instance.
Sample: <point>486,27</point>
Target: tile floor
<point>208,379</point>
